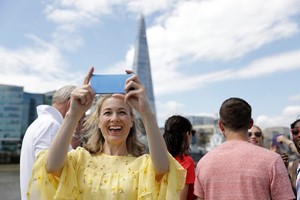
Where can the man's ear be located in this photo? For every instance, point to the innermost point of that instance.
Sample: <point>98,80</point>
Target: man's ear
<point>221,126</point>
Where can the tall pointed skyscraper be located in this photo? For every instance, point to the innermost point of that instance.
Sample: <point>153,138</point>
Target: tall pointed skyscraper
<point>141,63</point>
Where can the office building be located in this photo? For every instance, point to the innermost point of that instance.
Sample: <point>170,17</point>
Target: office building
<point>11,108</point>
<point>17,112</point>
<point>201,120</point>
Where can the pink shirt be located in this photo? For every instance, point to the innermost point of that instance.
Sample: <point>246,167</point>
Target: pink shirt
<point>240,170</point>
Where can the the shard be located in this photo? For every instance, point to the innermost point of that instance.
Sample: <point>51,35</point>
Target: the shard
<point>141,63</point>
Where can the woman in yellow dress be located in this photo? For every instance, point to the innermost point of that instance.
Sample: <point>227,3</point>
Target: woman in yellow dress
<point>112,164</point>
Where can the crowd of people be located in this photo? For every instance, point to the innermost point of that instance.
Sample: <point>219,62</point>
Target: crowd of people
<point>67,154</point>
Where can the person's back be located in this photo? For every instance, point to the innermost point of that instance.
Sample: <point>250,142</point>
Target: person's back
<point>240,170</point>
<point>237,169</point>
<point>295,168</point>
<point>40,133</point>
<point>178,136</point>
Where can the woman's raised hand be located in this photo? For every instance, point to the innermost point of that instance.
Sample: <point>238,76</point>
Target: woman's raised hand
<point>82,97</point>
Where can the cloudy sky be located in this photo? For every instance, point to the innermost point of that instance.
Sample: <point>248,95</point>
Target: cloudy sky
<point>202,51</point>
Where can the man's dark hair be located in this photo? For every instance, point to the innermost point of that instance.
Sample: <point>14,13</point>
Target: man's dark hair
<point>235,114</point>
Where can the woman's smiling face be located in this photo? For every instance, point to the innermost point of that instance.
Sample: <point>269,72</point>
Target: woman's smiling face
<point>115,120</point>
<point>255,136</point>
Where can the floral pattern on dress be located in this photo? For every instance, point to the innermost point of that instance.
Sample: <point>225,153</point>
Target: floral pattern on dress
<point>87,176</point>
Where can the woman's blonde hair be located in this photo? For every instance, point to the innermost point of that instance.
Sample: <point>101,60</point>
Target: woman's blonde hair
<point>96,140</point>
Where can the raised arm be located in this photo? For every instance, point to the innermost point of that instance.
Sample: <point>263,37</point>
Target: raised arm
<point>283,139</point>
<point>81,100</point>
<point>137,98</point>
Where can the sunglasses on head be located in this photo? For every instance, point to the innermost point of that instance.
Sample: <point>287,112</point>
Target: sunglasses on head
<point>256,134</point>
<point>295,131</point>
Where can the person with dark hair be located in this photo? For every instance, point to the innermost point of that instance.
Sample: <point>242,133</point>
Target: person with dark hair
<point>178,136</point>
<point>237,169</point>
<point>295,169</point>
<point>112,164</point>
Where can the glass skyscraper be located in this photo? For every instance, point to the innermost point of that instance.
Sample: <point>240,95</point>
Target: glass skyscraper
<point>17,112</point>
<point>30,102</point>
<point>11,107</point>
<point>141,63</point>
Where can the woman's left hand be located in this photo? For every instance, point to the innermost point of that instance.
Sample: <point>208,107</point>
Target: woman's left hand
<point>135,94</point>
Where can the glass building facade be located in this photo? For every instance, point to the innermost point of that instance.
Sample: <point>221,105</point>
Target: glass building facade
<point>11,104</point>
<point>17,112</point>
<point>141,64</point>
<point>30,102</point>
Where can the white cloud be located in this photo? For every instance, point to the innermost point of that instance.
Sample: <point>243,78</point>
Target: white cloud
<point>167,109</point>
<point>294,98</point>
<point>222,29</point>
<point>188,31</point>
<point>288,115</point>
<point>147,7</point>
<point>76,13</point>
<point>166,77</point>
<point>219,30</point>
<point>71,15</point>
<point>281,62</point>
<point>121,66</point>
<point>38,68</point>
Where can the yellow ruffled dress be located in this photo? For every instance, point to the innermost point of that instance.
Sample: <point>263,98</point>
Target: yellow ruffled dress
<point>105,177</point>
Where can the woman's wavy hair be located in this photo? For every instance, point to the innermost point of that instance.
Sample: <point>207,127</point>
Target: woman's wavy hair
<point>175,135</point>
<point>95,139</point>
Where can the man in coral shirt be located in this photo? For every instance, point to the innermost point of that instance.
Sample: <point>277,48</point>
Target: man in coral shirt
<point>237,169</point>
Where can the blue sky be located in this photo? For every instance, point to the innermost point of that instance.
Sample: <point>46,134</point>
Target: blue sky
<point>202,52</point>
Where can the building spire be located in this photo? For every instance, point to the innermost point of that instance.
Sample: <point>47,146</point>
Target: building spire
<point>141,63</point>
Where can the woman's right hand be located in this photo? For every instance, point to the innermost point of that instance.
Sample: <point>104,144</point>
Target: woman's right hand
<point>81,100</point>
<point>82,97</point>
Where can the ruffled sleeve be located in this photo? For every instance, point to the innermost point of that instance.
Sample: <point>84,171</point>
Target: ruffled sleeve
<point>168,187</point>
<point>47,186</point>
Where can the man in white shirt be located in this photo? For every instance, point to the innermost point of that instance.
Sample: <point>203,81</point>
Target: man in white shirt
<point>41,132</point>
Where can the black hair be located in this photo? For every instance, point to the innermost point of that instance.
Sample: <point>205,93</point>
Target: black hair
<point>235,114</point>
<point>175,135</point>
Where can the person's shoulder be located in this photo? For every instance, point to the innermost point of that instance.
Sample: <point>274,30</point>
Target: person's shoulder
<point>188,158</point>
<point>145,156</point>
<point>81,150</point>
<point>80,153</point>
<point>264,153</point>
<point>48,111</point>
<point>44,109</point>
<point>184,158</point>
<point>208,156</point>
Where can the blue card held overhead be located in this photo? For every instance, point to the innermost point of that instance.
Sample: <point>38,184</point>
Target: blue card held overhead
<point>109,83</point>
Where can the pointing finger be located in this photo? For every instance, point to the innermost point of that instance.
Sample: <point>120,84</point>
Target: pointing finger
<point>88,76</point>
